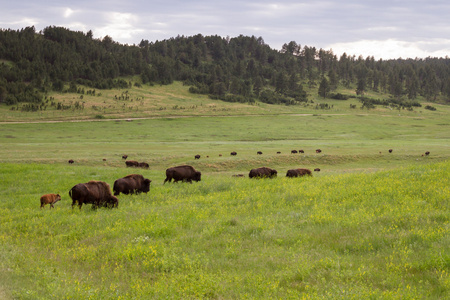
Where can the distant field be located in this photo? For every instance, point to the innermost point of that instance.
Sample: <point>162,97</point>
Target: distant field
<point>370,225</point>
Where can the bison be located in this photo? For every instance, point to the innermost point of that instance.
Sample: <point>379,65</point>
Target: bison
<point>132,163</point>
<point>197,156</point>
<point>316,170</point>
<point>301,151</point>
<point>70,161</point>
<point>390,150</point>
<point>294,151</point>
<point>143,165</point>
<point>124,156</point>
<point>131,184</point>
<point>298,172</point>
<point>97,193</point>
<point>262,172</point>
<point>259,153</point>
<point>278,152</point>
<point>233,153</point>
<point>318,151</point>
<point>427,153</point>
<point>50,199</point>
<point>183,173</point>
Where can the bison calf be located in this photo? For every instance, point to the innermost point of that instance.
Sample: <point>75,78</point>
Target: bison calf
<point>50,199</point>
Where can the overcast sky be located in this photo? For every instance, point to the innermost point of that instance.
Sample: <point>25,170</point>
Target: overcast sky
<point>380,28</point>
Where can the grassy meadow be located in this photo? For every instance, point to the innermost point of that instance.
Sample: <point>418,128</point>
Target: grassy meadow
<point>370,225</point>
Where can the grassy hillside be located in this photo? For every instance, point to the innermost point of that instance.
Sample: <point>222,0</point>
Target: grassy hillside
<point>175,100</point>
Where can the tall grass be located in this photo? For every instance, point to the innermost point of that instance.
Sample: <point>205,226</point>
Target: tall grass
<point>346,236</point>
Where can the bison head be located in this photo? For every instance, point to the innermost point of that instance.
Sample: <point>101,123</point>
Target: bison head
<point>146,185</point>
<point>113,202</point>
<point>197,176</point>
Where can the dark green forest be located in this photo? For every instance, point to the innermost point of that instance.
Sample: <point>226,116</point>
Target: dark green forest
<point>238,69</point>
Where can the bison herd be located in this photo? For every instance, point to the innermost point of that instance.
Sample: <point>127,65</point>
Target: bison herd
<point>98,193</point>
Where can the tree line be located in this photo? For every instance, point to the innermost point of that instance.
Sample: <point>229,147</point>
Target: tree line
<point>238,69</point>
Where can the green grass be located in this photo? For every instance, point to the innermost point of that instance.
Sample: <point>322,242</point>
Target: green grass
<point>369,225</point>
<point>377,235</point>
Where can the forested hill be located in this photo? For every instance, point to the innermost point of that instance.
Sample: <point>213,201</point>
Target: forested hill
<point>242,68</point>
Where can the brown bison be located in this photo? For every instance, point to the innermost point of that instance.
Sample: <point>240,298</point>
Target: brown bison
<point>50,199</point>
<point>183,173</point>
<point>298,173</point>
<point>278,152</point>
<point>97,193</point>
<point>71,161</point>
<point>294,151</point>
<point>427,153</point>
<point>316,170</point>
<point>132,163</point>
<point>259,153</point>
<point>390,150</point>
<point>131,184</point>
<point>124,156</point>
<point>233,153</point>
<point>262,172</point>
<point>197,156</point>
<point>301,151</point>
<point>318,151</point>
<point>143,165</point>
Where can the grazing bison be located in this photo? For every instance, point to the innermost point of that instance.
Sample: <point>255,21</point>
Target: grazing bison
<point>124,156</point>
<point>233,153</point>
<point>183,173</point>
<point>301,151</point>
<point>97,193</point>
<point>132,163</point>
<point>294,151</point>
<point>298,172</point>
<point>71,161</point>
<point>318,150</point>
<point>390,150</point>
<point>316,170</point>
<point>197,156</point>
<point>427,153</point>
<point>50,199</point>
<point>262,172</point>
<point>259,153</point>
<point>131,184</point>
<point>238,175</point>
<point>143,165</point>
<point>278,152</point>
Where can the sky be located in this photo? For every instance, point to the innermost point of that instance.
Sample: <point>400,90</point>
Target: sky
<point>384,29</point>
